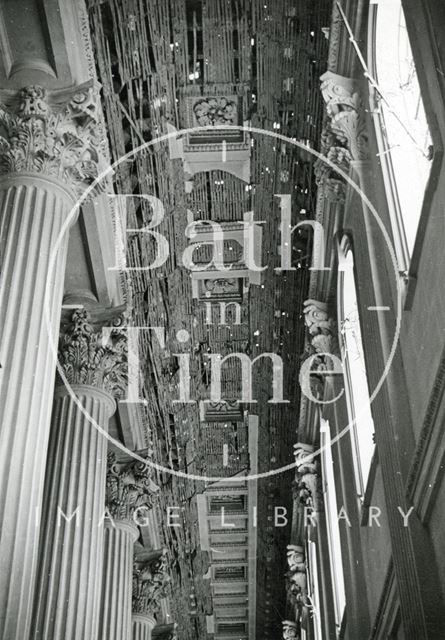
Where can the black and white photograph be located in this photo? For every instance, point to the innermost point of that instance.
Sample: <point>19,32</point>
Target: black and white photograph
<point>222,320</point>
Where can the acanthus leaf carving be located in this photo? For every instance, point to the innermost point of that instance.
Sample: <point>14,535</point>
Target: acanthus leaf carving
<point>346,119</point>
<point>55,133</point>
<point>129,487</point>
<point>151,582</point>
<point>87,358</point>
<point>350,129</point>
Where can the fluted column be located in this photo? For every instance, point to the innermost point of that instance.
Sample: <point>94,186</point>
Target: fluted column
<point>151,583</point>
<point>143,626</point>
<point>42,141</point>
<point>129,494</point>
<point>71,549</point>
<point>115,610</point>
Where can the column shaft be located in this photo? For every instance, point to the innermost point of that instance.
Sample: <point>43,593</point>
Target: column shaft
<point>142,627</point>
<point>33,210</point>
<point>117,584</point>
<point>72,544</point>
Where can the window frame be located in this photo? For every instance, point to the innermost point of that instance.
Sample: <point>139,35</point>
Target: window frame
<point>334,539</point>
<point>427,57</point>
<point>409,264</point>
<point>404,256</point>
<point>345,247</point>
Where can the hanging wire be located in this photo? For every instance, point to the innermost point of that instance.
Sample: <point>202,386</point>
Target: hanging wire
<point>373,82</point>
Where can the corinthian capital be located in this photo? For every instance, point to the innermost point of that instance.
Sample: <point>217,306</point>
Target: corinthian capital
<point>90,357</point>
<point>151,582</point>
<point>55,133</point>
<point>345,110</point>
<point>129,487</point>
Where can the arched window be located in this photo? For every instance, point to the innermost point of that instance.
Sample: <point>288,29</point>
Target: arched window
<point>403,136</point>
<point>356,382</point>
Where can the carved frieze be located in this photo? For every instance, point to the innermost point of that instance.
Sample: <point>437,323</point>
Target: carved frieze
<point>88,357</point>
<point>55,133</point>
<point>129,487</point>
<point>151,583</point>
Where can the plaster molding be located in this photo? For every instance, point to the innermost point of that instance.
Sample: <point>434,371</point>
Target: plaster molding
<point>54,133</point>
<point>88,359</point>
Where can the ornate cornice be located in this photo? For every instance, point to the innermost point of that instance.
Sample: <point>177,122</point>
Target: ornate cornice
<point>151,583</point>
<point>129,487</point>
<point>87,357</point>
<point>55,133</point>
